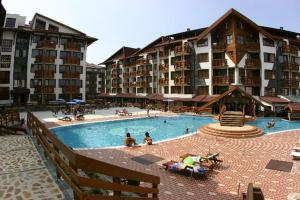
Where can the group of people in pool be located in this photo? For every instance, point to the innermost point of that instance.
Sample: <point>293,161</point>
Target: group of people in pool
<point>130,141</point>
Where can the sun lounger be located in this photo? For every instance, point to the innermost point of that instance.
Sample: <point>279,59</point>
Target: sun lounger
<point>182,168</point>
<point>295,154</point>
<point>296,148</point>
<point>79,117</point>
<point>65,118</point>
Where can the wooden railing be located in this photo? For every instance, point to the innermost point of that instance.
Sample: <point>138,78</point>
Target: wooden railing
<point>253,63</point>
<point>132,74</point>
<point>251,81</point>
<point>182,80</point>
<point>289,66</point>
<point>47,44</point>
<point>289,49</point>
<point>164,67</point>
<point>71,61</point>
<point>143,73</point>
<point>182,65</point>
<point>125,84</point>
<point>44,74</point>
<point>142,61</point>
<point>79,171</point>
<point>71,75</point>
<point>71,89</point>
<point>219,63</point>
<point>44,59</point>
<point>163,81</point>
<point>142,84</point>
<point>182,50</point>
<point>252,46</point>
<point>72,46</point>
<point>218,47</point>
<point>126,75</point>
<point>10,122</point>
<point>220,80</point>
<point>44,89</point>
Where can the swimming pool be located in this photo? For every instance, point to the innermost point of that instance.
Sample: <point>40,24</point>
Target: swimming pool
<point>110,134</point>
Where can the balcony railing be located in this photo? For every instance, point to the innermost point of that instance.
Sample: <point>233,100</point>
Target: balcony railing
<point>44,74</point>
<point>126,75</point>
<point>251,81</point>
<point>143,73</point>
<point>163,54</point>
<point>164,67</point>
<point>71,75</point>
<point>114,66</point>
<point>125,84</point>
<point>44,59</point>
<point>132,84</point>
<point>71,61</point>
<point>132,74</point>
<point>253,63</point>
<point>289,66</point>
<point>270,93</point>
<point>71,89</point>
<point>72,46</point>
<point>290,83</point>
<point>142,84</point>
<point>182,50</point>
<point>129,64</point>
<point>219,63</point>
<point>182,65</point>
<point>218,46</point>
<point>44,89</point>
<point>114,75</point>
<point>289,49</point>
<point>163,81</point>
<point>47,44</point>
<point>142,61</point>
<point>220,80</point>
<point>252,46</point>
<point>182,80</point>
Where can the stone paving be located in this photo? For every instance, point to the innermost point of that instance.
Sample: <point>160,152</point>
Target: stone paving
<point>244,162</point>
<point>23,175</point>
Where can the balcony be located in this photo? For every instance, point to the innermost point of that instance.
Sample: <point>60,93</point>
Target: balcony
<point>130,64</point>
<point>143,73</point>
<point>44,89</point>
<point>114,66</point>
<point>114,75</point>
<point>142,84</point>
<point>163,55</point>
<point>217,47</point>
<point>289,83</point>
<point>251,81</point>
<point>182,65</point>
<point>252,46</point>
<point>219,63</point>
<point>132,84</point>
<point>289,49</point>
<point>132,74</point>
<point>163,67</point>
<point>70,89</point>
<point>270,93</point>
<point>253,63</point>
<point>126,75</point>
<point>163,81</point>
<point>220,80</point>
<point>71,61</point>
<point>182,81</point>
<point>182,50</point>
<point>142,61</point>
<point>44,74</point>
<point>125,84</point>
<point>289,66</point>
<point>72,46</point>
<point>44,59</point>
<point>46,44</point>
<point>71,75</point>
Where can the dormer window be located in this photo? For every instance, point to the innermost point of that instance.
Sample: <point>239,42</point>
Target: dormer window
<point>229,39</point>
<point>10,22</point>
<point>40,25</point>
<point>53,28</point>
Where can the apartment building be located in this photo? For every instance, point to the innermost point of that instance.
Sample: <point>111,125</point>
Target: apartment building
<point>95,80</point>
<point>41,61</point>
<point>234,50</point>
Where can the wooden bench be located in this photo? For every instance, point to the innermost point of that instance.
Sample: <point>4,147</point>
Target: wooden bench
<point>253,193</point>
<point>90,178</point>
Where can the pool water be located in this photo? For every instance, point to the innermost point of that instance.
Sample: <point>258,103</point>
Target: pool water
<point>110,134</point>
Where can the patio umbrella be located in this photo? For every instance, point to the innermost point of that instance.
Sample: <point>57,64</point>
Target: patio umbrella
<point>71,103</point>
<point>168,100</point>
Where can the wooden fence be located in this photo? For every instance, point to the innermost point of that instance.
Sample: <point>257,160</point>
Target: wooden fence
<point>90,178</point>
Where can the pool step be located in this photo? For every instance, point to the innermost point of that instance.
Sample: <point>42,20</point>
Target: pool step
<point>232,118</point>
<point>227,131</point>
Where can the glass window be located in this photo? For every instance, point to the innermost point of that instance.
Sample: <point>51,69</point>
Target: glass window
<point>10,22</point>
<point>229,39</point>
<point>202,43</point>
<point>6,45</point>
<point>4,77</point>
<point>4,93</point>
<point>240,39</point>
<point>36,52</point>
<point>53,28</point>
<point>268,42</point>
<point>41,25</point>
<point>37,38</point>
<point>202,57</point>
<point>269,57</point>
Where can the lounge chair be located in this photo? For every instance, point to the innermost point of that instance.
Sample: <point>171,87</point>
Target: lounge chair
<point>210,160</point>
<point>295,154</point>
<point>79,117</point>
<point>127,113</point>
<point>65,118</point>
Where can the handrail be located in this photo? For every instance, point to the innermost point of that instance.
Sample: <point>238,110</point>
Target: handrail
<point>68,162</point>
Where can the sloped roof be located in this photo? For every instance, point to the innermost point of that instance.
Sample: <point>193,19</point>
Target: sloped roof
<point>274,99</point>
<point>226,15</point>
<point>123,51</point>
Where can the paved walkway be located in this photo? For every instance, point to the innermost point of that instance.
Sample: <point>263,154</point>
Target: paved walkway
<point>244,161</point>
<point>23,175</point>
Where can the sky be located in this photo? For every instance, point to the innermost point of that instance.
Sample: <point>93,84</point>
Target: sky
<point>136,23</point>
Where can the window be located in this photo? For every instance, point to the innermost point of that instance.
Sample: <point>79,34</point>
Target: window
<point>269,57</point>
<point>240,39</point>
<point>202,43</point>
<point>41,25</point>
<point>10,22</point>
<point>53,28</point>
<point>4,93</point>
<point>4,77</point>
<point>6,45</point>
<point>20,53</point>
<point>36,52</point>
<point>37,38</point>
<point>269,74</point>
<point>229,39</point>
<point>268,42</point>
<point>5,61</point>
<point>203,74</point>
<point>227,25</point>
<point>283,59</point>
<point>240,25</point>
<point>202,57</point>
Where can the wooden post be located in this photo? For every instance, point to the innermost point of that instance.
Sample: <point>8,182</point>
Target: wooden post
<point>117,180</point>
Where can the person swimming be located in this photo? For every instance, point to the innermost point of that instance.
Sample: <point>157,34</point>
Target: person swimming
<point>271,124</point>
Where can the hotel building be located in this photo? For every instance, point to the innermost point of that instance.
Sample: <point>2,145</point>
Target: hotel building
<point>41,61</point>
<point>234,50</point>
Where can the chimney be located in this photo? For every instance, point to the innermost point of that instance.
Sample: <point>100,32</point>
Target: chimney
<point>188,29</point>
<point>281,27</point>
